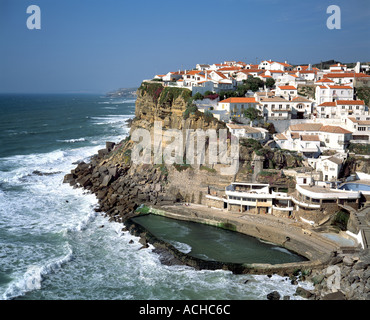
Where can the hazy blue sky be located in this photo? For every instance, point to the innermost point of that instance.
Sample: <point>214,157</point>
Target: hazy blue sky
<point>98,46</point>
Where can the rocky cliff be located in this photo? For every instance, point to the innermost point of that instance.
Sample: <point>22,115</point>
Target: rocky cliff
<point>121,186</point>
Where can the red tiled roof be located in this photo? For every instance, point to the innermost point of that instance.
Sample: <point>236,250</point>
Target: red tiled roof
<point>306,137</point>
<point>328,104</point>
<point>287,88</point>
<point>239,100</point>
<point>340,87</point>
<point>350,102</point>
<point>334,129</point>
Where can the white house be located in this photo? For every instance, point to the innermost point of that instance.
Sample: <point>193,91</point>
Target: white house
<point>301,107</point>
<point>329,166</point>
<point>305,137</point>
<point>245,131</point>
<point>329,93</point>
<point>335,137</point>
<point>275,108</point>
<point>340,109</point>
<point>286,91</point>
<point>360,127</point>
<point>274,65</point>
<point>338,67</point>
<point>235,107</point>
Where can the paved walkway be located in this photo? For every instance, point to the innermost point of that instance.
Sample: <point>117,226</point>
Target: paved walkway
<point>364,225</point>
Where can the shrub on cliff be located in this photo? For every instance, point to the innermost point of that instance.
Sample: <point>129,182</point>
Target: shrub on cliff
<point>170,94</point>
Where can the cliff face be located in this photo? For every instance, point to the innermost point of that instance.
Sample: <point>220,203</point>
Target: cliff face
<point>121,185</point>
<point>167,104</point>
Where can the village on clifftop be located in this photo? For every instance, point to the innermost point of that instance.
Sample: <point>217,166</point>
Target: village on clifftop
<point>315,112</point>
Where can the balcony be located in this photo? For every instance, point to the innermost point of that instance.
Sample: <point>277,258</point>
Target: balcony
<point>283,208</point>
<point>306,205</point>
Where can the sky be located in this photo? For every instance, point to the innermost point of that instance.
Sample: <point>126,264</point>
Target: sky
<point>96,46</point>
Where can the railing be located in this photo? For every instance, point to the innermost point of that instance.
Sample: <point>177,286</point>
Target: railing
<point>307,205</point>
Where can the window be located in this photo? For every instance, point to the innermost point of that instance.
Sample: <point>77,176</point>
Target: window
<point>280,114</point>
<point>357,107</point>
<point>343,107</point>
<point>361,129</point>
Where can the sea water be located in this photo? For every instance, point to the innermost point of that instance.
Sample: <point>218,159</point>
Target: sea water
<point>53,245</point>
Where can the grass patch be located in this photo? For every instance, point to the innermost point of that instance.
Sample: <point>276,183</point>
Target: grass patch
<point>143,209</point>
<point>202,167</point>
<point>341,220</point>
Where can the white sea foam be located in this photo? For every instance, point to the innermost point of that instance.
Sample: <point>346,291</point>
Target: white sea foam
<point>33,277</point>
<point>72,140</point>
<point>182,247</point>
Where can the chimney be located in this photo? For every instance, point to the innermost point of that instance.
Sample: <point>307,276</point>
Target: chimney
<point>309,67</point>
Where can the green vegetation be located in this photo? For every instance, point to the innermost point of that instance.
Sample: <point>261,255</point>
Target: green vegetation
<point>143,209</point>
<point>191,108</point>
<point>227,226</point>
<point>363,94</point>
<point>198,96</point>
<point>208,116</point>
<point>202,167</point>
<point>252,83</point>
<point>359,148</point>
<point>268,173</point>
<point>181,167</point>
<point>170,94</point>
<point>252,114</point>
<point>341,219</point>
<point>270,82</point>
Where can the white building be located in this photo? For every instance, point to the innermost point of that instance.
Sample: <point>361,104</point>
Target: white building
<point>312,138</point>
<point>274,65</point>
<point>235,107</point>
<point>329,93</point>
<point>360,127</point>
<point>275,108</point>
<point>340,109</point>
<point>288,92</point>
<point>248,132</point>
<point>329,167</point>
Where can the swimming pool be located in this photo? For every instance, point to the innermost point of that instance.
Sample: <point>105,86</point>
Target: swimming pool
<point>351,186</point>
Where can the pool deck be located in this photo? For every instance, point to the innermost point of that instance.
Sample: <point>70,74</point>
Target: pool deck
<point>284,232</point>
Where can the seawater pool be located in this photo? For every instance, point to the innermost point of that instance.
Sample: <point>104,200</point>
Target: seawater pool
<point>213,243</point>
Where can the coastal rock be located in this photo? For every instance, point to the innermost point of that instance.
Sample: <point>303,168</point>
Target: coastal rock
<point>274,295</point>
<point>339,295</point>
<point>303,293</point>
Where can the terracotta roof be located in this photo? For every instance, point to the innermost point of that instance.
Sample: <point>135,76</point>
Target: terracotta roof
<point>306,137</point>
<point>360,122</point>
<point>305,127</point>
<point>280,136</point>
<point>287,88</point>
<point>274,99</point>
<point>328,104</point>
<point>345,75</point>
<point>334,129</point>
<point>239,100</point>
<point>340,87</point>
<point>294,135</point>
<point>324,80</point>
<point>350,102</point>
<point>300,99</point>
